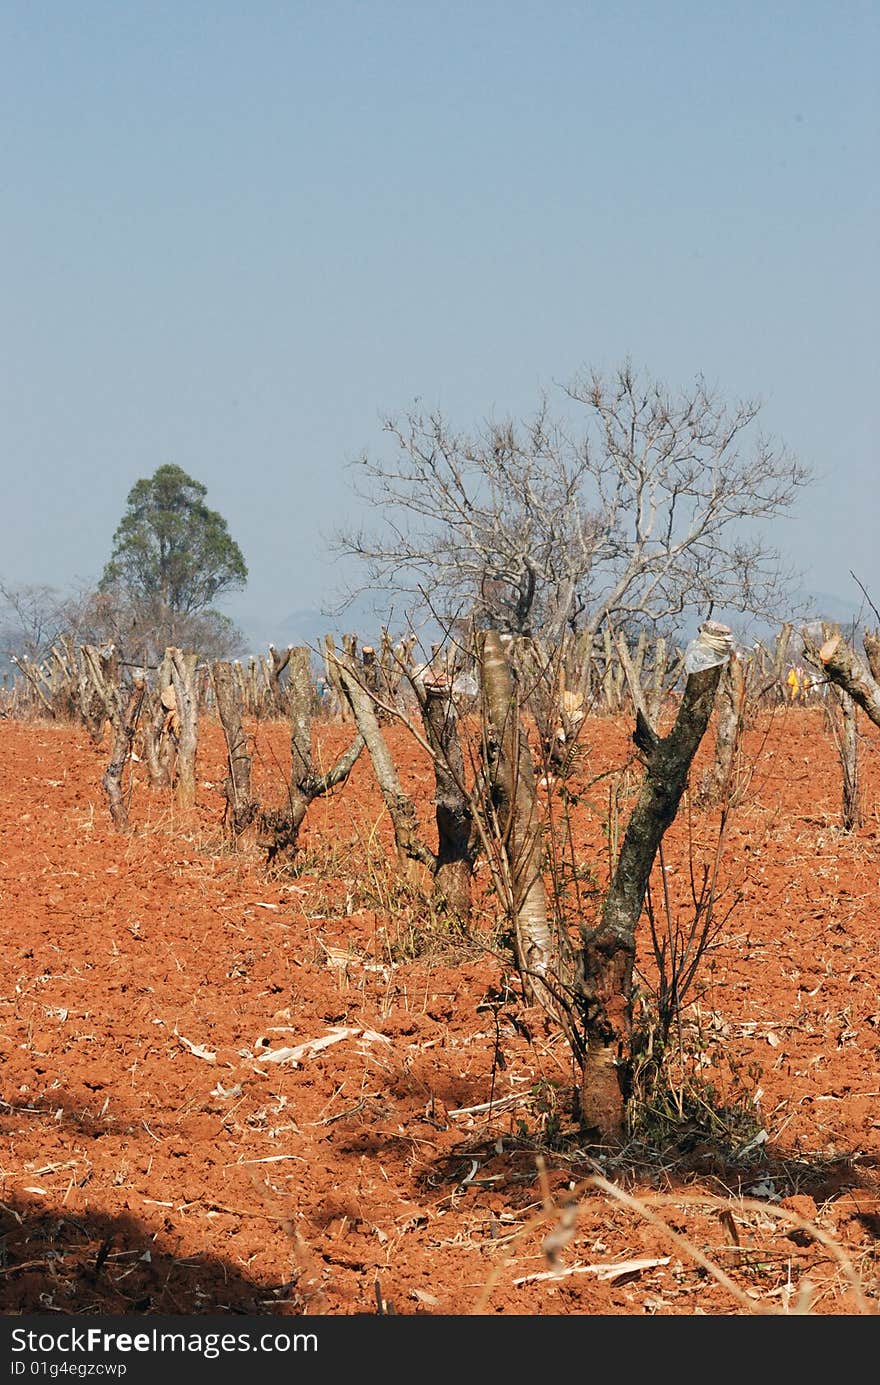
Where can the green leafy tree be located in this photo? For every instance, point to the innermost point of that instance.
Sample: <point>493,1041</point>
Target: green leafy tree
<point>172,557</point>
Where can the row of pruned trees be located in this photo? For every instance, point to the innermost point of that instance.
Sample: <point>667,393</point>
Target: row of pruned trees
<point>496,717</point>
<point>59,683</point>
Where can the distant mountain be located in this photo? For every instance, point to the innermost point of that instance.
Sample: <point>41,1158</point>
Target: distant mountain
<point>826,606</point>
<point>363,618</point>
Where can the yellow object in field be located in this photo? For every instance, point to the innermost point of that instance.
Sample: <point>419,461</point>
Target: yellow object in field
<point>793,683</point>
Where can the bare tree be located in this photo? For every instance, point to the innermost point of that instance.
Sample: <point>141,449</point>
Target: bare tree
<point>493,523</point>
<point>139,628</point>
<point>647,510</point>
<point>31,619</point>
<point>34,617</point>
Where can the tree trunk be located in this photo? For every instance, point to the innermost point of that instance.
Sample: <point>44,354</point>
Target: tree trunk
<point>632,674</point>
<point>582,656</point>
<point>124,729</point>
<point>455,826</point>
<point>609,677</point>
<point>331,669</point>
<point>30,674</point>
<point>780,657</point>
<point>846,743</point>
<point>609,954</point>
<point>373,683</point>
<point>299,701</point>
<point>160,731</point>
<point>280,828</point>
<point>183,669</point>
<point>719,780</point>
<point>512,785</point>
<point>655,705</point>
<point>401,809</point>
<point>241,809</point>
<point>98,689</point>
<point>852,808</point>
<point>871,645</point>
<point>279,663</point>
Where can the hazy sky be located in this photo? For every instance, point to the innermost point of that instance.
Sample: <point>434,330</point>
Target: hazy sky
<point>235,234</point>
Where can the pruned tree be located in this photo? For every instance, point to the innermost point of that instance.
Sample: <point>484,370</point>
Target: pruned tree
<point>241,807</point>
<point>451,865</point>
<point>182,667</point>
<point>515,823</point>
<point>827,650</point>
<point>126,713</point>
<point>279,828</point>
<point>609,951</point>
<point>646,511</point>
<point>400,806</point>
<point>855,683</point>
<point>456,836</point>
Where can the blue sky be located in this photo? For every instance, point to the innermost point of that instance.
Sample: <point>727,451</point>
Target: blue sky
<point>235,235</point>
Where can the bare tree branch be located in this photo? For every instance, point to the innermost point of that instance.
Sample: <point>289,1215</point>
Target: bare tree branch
<point>652,510</point>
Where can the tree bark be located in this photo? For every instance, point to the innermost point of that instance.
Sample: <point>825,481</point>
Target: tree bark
<point>780,657</point>
<point>183,668</point>
<point>241,809</point>
<point>511,776</point>
<point>98,689</point>
<point>161,727</point>
<point>608,955</point>
<point>632,674</point>
<point>331,669</point>
<point>280,828</point>
<point>846,743</point>
<point>719,780</point>
<point>655,705</point>
<point>871,645</point>
<point>401,809</point>
<point>852,808</point>
<point>846,669</point>
<point>279,663</point>
<point>610,686</point>
<point>454,862</point>
<point>125,723</point>
<point>28,670</point>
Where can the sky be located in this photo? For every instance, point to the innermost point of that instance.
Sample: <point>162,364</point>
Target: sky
<point>236,235</point>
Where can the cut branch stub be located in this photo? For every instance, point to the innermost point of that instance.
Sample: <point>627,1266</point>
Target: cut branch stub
<point>844,667</point>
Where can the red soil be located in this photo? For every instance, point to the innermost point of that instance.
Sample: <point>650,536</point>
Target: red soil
<point>155,1160</point>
